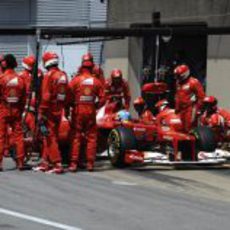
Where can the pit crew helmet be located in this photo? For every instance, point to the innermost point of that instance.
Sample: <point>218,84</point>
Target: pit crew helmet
<point>28,62</point>
<point>182,72</point>
<point>161,105</point>
<point>116,76</point>
<point>139,104</point>
<point>50,59</point>
<point>210,104</point>
<point>87,61</point>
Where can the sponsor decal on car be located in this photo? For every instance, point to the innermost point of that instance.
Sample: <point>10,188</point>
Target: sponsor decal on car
<point>139,129</point>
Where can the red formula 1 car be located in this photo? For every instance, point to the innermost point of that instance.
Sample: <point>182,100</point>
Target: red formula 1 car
<point>136,143</point>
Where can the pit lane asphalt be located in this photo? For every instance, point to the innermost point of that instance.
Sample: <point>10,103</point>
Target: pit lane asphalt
<point>137,198</point>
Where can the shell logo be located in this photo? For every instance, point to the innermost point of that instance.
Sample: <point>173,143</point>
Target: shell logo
<point>87,91</point>
<point>62,90</point>
<point>12,93</point>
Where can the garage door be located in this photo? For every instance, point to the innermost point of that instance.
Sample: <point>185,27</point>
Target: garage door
<point>15,45</point>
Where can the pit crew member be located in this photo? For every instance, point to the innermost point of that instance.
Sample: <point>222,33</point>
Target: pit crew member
<point>84,91</point>
<point>213,118</point>
<point>144,114</point>
<point>53,101</point>
<point>117,90</point>
<point>12,103</point>
<point>166,118</point>
<point>189,97</point>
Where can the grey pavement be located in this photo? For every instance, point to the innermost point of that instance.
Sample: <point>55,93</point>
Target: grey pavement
<point>140,198</point>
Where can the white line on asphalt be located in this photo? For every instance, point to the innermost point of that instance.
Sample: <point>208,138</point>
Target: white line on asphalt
<point>120,182</point>
<point>37,220</point>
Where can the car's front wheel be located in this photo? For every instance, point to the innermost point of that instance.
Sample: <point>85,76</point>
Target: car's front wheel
<point>120,140</point>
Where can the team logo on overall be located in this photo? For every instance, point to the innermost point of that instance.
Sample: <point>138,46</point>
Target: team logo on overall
<point>12,93</point>
<point>62,90</point>
<point>87,91</point>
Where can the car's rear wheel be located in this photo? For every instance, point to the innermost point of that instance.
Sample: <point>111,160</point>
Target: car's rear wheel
<point>120,140</point>
<point>205,139</point>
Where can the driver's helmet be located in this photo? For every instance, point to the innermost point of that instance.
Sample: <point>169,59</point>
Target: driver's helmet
<point>123,115</point>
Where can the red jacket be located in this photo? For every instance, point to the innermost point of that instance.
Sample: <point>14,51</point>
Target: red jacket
<point>85,89</point>
<point>53,92</point>
<point>189,92</point>
<point>122,91</point>
<point>12,93</point>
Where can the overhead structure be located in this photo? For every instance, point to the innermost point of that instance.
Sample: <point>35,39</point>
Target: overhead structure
<point>71,32</point>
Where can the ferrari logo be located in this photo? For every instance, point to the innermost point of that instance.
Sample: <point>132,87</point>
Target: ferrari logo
<point>87,91</point>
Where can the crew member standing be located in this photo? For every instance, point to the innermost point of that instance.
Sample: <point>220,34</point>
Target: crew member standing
<point>12,103</point>
<point>189,97</point>
<point>53,100</point>
<point>84,91</point>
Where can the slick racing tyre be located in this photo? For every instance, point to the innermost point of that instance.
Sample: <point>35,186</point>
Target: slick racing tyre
<point>120,140</point>
<point>205,139</point>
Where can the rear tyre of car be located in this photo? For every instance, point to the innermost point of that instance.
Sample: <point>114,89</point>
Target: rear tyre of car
<point>120,140</point>
<point>205,139</point>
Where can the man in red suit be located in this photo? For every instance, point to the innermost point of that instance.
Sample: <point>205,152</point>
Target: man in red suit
<point>12,103</point>
<point>189,97</point>
<point>85,89</point>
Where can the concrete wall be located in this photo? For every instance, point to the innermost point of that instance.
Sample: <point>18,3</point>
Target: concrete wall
<point>116,56</point>
<point>218,80</point>
<point>135,66</point>
<point>122,13</point>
